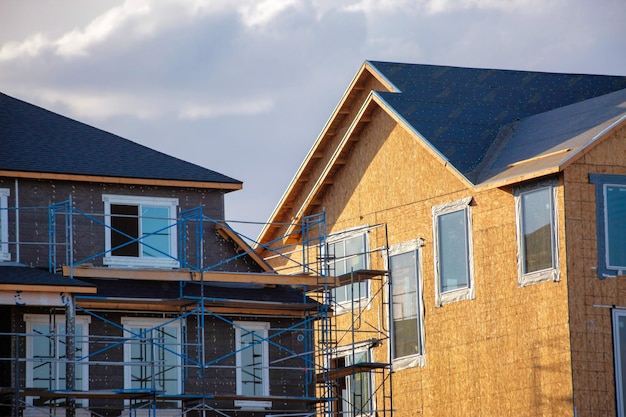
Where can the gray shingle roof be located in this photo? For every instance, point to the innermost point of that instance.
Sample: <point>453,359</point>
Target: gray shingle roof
<point>22,275</point>
<point>460,111</point>
<point>33,139</point>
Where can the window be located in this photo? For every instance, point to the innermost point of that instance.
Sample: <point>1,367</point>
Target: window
<point>407,304</point>
<point>141,231</point>
<point>611,223</point>
<point>453,252</point>
<point>619,341</point>
<point>46,347</point>
<point>536,233</point>
<point>347,252</point>
<point>356,389</point>
<point>252,360</point>
<point>4,225</point>
<point>154,350</point>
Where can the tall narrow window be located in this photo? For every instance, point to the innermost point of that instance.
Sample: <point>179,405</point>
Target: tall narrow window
<point>141,231</point>
<point>536,231</point>
<point>453,252</point>
<point>153,351</point>
<point>407,306</point>
<point>46,343</point>
<point>356,394</point>
<point>4,225</point>
<point>611,223</point>
<point>619,341</point>
<point>347,253</point>
<point>252,357</point>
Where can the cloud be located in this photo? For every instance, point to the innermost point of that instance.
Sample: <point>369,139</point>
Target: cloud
<point>96,104</point>
<point>245,107</point>
<point>30,47</point>
<point>262,13</point>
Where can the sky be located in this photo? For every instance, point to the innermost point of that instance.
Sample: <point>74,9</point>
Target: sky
<point>244,87</point>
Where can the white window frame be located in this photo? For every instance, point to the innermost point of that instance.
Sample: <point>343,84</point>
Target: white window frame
<point>417,359</point>
<point>466,293</point>
<point>358,299</point>
<point>620,366</point>
<point>261,328</point>
<point>139,261</point>
<point>83,365</point>
<point>547,274</point>
<point>4,224</point>
<point>152,323</point>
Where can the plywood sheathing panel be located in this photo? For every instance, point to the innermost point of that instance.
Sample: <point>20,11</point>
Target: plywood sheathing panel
<point>591,325</point>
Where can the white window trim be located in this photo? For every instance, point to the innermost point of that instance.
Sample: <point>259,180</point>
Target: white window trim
<point>361,302</point>
<point>139,262</point>
<point>32,319</point>
<point>548,274</point>
<point>4,222</point>
<point>467,293</point>
<point>263,329</point>
<point>151,323</point>
<point>418,359</point>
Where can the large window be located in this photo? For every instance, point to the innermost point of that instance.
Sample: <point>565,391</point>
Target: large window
<point>536,233</point>
<point>347,253</point>
<point>141,231</point>
<point>252,357</point>
<point>407,305</point>
<point>619,340</point>
<point>453,252</point>
<point>46,350</point>
<point>611,223</point>
<point>153,349</point>
<point>4,225</point>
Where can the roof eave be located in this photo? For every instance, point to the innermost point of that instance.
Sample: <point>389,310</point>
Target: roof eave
<point>227,186</point>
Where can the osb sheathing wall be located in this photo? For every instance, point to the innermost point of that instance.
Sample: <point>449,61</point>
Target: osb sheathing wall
<point>591,327</point>
<point>504,353</point>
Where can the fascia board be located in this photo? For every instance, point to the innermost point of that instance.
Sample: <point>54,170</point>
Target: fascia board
<point>331,162</point>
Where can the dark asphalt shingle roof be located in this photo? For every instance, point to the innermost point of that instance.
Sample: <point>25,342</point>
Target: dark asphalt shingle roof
<point>33,139</point>
<point>460,111</point>
<point>23,275</point>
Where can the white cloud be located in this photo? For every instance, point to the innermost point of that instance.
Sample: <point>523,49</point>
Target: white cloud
<point>260,14</point>
<point>31,46</point>
<point>250,107</point>
<point>78,41</point>
<point>95,105</point>
<point>371,7</point>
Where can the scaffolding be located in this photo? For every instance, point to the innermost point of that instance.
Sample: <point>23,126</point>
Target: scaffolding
<point>333,377</point>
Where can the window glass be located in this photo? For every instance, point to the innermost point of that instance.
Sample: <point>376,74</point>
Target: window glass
<point>46,345</point>
<point>346,256</point>
<point>616,226</point>
<point>537,230</point>
<point>153,355</point>
<point>252,357</point>
<point>155,232</point>
<point>405,300</point>
<point>453,251</point>
<point>4,225</point>
<point>357,396</point>
<point>141,232</point>
<point>610,223</point>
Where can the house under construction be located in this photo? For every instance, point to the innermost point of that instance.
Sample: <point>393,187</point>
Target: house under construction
<point>124,292</point>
